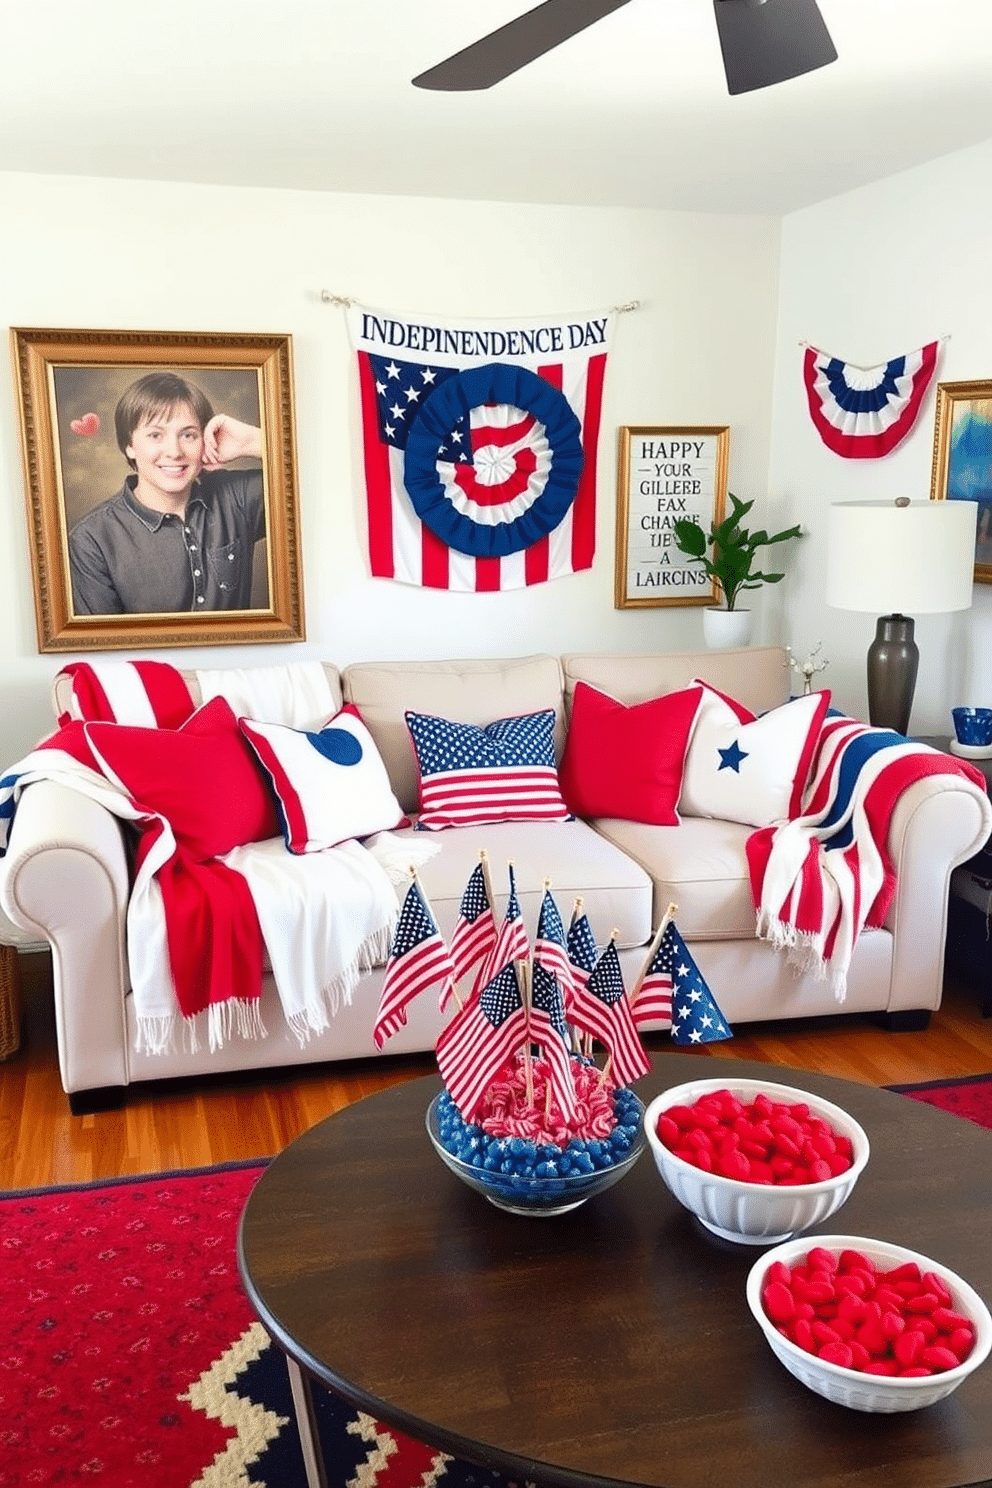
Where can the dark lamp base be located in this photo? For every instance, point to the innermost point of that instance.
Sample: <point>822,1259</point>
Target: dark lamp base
<point>893,661</point>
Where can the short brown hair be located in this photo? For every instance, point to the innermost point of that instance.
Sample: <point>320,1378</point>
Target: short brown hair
<point>156,392</point>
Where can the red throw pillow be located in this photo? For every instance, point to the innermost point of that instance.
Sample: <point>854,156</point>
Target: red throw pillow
<point>203,778</point>
<point>627,761</point>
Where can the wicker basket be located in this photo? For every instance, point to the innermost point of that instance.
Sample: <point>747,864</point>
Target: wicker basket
<point>10,1001</point>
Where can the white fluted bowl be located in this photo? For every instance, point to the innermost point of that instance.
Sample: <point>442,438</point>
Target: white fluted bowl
<point>754,1213</point>
<point>870,1392</point>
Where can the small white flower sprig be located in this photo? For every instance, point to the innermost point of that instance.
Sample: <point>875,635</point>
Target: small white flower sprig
<point>809,666</point>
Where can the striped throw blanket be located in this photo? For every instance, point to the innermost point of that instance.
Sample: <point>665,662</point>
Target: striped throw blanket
<point>819,880</point>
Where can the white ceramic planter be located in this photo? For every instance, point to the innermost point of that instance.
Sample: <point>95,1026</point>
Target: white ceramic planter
<point>723,629</point>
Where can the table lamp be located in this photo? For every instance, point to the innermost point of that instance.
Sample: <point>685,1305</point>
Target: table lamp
<point>898,556</point>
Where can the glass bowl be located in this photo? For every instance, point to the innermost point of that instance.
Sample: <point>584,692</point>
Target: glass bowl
<point>754,1213</point>
<point>511,1183</point>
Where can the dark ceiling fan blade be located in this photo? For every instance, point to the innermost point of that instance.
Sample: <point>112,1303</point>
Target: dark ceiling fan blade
<point>493,58</point>
<point>767,41</point>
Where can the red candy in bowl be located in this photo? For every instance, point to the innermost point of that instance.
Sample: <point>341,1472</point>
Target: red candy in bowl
<point>755,1161</point>
<point>868,1324</point>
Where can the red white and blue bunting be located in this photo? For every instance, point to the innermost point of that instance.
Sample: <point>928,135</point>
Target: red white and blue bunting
<point>864,412</point>
<point>479,442</point>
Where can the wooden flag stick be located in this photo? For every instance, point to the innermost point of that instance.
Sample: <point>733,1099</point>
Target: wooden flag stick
<point>488,880</point>
<point>523,982</point>
<point>666,920</point>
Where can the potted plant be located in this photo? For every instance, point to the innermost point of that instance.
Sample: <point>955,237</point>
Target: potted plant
<point>731,567</point>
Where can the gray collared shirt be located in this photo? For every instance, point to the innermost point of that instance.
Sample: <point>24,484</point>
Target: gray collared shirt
<point>125,559</point>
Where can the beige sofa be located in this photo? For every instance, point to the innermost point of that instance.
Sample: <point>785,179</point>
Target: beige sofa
<point>65,877</point>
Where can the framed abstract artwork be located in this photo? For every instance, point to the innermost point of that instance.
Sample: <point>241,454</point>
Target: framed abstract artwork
<point>962,459</point>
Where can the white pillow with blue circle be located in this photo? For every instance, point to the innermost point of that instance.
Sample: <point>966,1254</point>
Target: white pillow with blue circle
<point>330,785</point>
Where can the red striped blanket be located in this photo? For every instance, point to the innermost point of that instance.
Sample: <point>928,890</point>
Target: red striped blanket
<point>819,880</point>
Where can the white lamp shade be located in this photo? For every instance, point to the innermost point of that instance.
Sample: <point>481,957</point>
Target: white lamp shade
<point>905,560</point>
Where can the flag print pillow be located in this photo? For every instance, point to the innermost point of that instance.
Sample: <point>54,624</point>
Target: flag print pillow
<point>627,762</point>
<point>746,769</point>
<point>502,772</point>
<point>330,784</point>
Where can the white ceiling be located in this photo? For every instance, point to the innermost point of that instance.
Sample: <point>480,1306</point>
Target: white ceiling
<point>634,111</point>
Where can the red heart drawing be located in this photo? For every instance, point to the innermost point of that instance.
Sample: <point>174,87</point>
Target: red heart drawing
<point>88,425</point>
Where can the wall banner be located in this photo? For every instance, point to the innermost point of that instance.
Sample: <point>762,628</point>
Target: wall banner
<point>479,445</point>
<point>862,413</point>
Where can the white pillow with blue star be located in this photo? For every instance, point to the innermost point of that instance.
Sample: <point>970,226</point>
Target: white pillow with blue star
<point>750,769</point>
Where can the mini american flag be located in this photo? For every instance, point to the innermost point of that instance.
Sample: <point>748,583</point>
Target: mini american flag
<point>582,949</point>
<point>418,959</point>
<point>673,992</point>
<point>479,1040</point>
<point>475,932</point>
<point>505,771</point>
<point>549,1029</point>
<point>601,1008</point>
<point>550,950</point>
<point>511,942</point>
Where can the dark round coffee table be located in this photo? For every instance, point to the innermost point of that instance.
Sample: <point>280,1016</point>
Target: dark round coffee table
<point>611,1345</point>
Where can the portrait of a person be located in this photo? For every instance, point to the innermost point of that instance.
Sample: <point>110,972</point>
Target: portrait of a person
<point>179,536</point>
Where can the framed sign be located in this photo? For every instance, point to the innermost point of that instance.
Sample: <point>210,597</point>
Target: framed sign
<point>160,480</point>
<point>665,474</point>
<point>962,459</point>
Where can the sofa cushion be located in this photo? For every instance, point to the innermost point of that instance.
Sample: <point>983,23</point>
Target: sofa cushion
<point>469,774</point>
<point>473,691</point>
<point>700,866</point>
<point>758,675</point>
<point>329,783</point>
<point>746,769</point>
<point>627,761</point>
<point>615,891</point>
<point>202,778</point>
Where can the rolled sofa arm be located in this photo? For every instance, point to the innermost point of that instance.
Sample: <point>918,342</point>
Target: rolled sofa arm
<point>939,822</point>
<point>64,879</point>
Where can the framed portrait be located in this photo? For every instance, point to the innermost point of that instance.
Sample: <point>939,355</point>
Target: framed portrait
<point>665,474</point>
<point>962,459</point>
<point>160,482</point>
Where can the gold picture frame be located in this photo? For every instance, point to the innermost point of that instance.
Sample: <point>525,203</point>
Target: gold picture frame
<point>71,384</point>
<point>962,458</point>
<point>665,473</point>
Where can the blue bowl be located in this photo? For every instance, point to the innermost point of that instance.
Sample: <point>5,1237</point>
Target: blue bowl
<point>973,726</point>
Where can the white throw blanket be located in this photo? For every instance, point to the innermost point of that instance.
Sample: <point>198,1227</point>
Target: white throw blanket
<point>324,917</point>
<point>297,694</point>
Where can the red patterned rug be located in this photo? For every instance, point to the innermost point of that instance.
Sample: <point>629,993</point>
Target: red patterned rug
<point>970,1098</point>
<point>129,1356</point>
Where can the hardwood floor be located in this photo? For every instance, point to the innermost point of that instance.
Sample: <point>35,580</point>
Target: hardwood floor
<point>183,1125</point>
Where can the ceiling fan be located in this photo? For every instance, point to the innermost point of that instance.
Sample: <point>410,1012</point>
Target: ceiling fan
<point>763,42</point>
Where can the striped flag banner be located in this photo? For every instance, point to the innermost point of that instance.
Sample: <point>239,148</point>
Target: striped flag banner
<point>479,443</point>
<point>862,413</point>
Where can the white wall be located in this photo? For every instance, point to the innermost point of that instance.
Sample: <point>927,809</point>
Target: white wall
<point>868,276</point>
<point>116,255</point>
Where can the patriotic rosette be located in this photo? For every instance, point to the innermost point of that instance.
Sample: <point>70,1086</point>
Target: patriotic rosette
<point>862,413</point>
<point>493,460</point>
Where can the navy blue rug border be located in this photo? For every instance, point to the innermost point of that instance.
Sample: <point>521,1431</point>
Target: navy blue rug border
<point>127,1179</point>
<point>941,1084</point>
